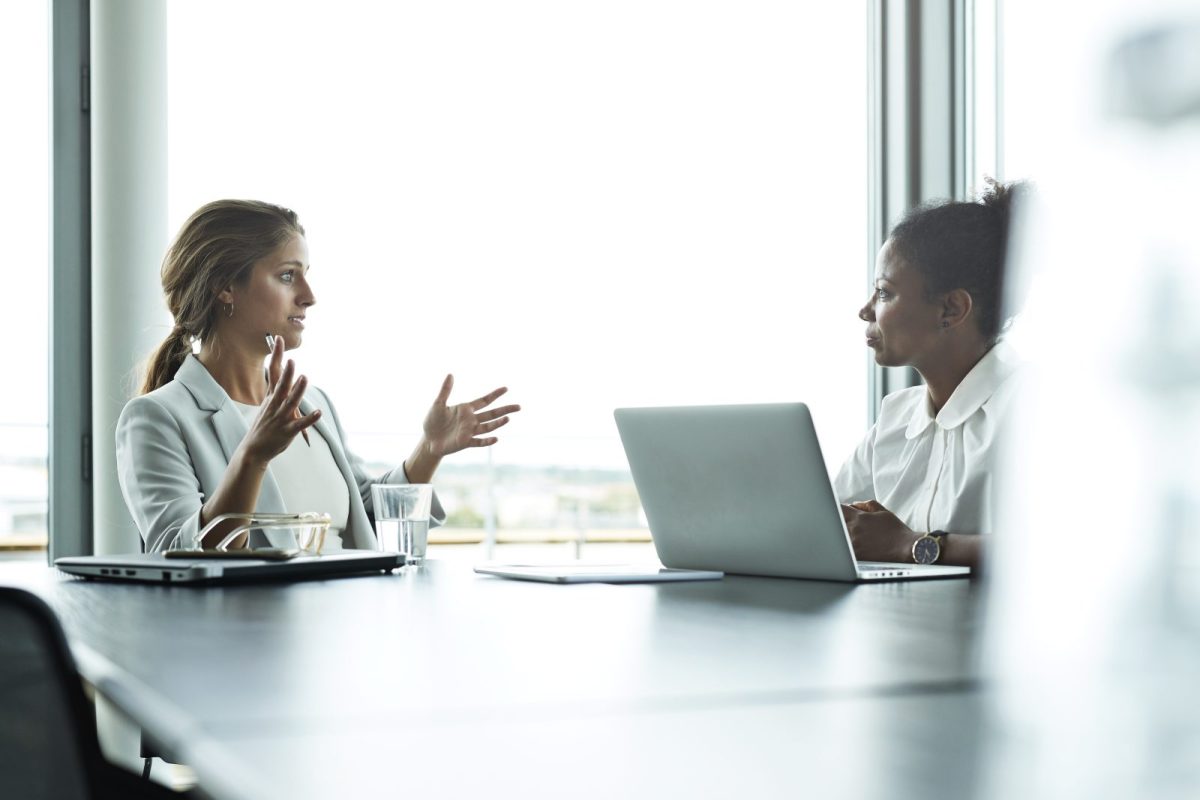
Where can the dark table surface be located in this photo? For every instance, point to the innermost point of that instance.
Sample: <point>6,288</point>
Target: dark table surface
<point>387,682</point>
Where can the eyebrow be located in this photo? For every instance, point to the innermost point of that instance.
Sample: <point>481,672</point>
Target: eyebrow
<point>293,264</point>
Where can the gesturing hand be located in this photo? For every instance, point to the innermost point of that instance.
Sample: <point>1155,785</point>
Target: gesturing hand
<point>449,429</point>
<point>876,533</point>
<point>279,419</point>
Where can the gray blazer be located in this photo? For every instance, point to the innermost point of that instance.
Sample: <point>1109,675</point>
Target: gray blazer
<point>174,444</point>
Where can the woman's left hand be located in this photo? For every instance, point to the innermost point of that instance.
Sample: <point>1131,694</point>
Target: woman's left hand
<point>449,429</point>
<point>877,534</point>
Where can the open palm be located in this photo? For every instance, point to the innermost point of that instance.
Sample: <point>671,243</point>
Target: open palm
<point>450,428</point>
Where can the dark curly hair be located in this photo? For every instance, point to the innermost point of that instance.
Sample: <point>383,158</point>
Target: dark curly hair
<point>963,245</point>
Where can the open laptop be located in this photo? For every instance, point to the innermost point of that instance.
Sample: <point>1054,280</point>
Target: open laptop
<point>157,568</point>
<point>744,489</point>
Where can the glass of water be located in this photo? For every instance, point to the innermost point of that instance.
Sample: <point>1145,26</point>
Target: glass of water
<point>402,518</point>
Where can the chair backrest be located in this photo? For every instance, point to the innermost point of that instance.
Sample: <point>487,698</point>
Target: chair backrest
<point>48,745</point>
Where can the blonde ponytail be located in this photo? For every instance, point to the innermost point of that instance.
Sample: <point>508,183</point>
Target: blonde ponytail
<point>167,359</point>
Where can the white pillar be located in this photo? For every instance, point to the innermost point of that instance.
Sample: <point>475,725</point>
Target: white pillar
<point>129,236</point>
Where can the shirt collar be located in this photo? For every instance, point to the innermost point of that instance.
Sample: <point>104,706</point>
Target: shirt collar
<point>969,396</point>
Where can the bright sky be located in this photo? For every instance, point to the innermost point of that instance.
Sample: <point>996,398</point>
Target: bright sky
<point>596,204</point>
<point>24,209</point>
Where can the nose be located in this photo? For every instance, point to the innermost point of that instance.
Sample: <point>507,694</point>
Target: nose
<point>305,297</point>
<point>867,312</point>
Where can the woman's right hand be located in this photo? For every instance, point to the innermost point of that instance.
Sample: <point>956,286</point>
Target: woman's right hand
<point>279,419</point>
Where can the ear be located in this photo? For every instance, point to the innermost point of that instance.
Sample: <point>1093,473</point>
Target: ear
<point>225,295</point>
<point>956,308</point>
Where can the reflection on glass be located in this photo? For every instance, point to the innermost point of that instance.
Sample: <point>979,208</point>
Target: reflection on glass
<point>1094,631</point>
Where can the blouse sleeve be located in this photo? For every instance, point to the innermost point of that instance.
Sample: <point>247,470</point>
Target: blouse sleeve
<point>855,481</point>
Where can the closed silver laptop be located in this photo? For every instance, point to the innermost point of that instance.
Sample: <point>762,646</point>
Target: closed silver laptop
<point>744,489</point>
<point>157,568</point>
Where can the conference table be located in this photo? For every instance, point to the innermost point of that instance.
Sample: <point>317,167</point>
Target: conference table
<point>434,681</point>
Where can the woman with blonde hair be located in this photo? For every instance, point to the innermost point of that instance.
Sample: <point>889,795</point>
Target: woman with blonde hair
<point>215,433</point>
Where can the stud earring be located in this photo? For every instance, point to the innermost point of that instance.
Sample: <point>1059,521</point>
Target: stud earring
<point>945,323</point>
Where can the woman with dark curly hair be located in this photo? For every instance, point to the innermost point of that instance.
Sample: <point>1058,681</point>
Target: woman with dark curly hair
<point>917,489</point>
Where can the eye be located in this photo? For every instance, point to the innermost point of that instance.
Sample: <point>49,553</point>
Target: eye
<point>288,277</point>
<point>882,294</point>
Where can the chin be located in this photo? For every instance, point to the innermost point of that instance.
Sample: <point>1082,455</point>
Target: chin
<point>883,360</point>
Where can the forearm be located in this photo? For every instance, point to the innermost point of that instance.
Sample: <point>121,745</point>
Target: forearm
<point>423,462</point>
<point>237,493</point>
<point>963,550</point>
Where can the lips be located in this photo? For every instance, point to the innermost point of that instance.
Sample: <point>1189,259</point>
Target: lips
<point>298,321</point>
<point>872,340</point>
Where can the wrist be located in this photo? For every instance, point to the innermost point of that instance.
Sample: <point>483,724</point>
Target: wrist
<point>426,451</point>
<point>246,459</point>
<point>423,462</point>
<point>907,542</point>
<point>929,548</point>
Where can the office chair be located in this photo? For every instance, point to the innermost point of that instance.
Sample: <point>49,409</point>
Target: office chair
<point>48,744</point>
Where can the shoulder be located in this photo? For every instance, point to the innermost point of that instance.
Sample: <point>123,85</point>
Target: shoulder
<point>1005,392</point>
<point>163,400</point>
<point>170,406</point>
<point>319,398</point>
<point>898,407</point>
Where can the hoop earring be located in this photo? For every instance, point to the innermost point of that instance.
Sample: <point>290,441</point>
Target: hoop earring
<point>229,311</point>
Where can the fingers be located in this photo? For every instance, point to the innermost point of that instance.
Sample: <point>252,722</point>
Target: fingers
<point>503,411</point>
<point>488,427</point>
<point>444,395</point>
<point>274,368</point>
<point>283,386</point>
<point>305,422</point>
<point>488,442</point>
<point>295,395</point>
<point>487,399</point>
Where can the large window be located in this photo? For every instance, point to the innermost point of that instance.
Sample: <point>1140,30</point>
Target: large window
<point>596,204</point>
<point>24,325</point>
<point>1013,94</point>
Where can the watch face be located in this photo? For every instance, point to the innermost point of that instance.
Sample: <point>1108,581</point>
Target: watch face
<point>926,550</point>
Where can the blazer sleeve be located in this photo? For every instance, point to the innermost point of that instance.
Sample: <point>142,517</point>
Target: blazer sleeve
<point>157,478</point>
<point>437,515</point>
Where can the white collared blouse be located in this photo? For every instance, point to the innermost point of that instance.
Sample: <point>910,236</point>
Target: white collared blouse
<point>935,472</point>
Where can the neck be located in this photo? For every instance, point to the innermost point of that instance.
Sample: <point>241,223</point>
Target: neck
<point>238,367</point>
<point>948,368</point>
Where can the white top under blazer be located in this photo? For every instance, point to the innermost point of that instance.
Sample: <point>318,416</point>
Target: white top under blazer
<point>935,472</point>
<point>174,445</point>
<point>309,479</point>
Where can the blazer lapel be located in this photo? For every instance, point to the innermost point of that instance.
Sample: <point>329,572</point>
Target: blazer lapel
<point>228,424</point>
